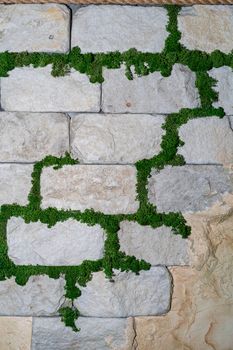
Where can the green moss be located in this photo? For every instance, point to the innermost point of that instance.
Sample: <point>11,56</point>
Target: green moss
<point>69,316</point>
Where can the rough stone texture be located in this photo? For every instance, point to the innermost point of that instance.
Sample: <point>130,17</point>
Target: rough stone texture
<point>39,28</point>
<point>206,28</point>
<point>157,246</point>
<point>110,189</point>
<point>29,137</point>
<point>149,94</point>
<point>129,295</point>
<point>112,28</point>
<point>41,296</point>
<point>207,141</point>
<point>115,138</point>
<point>224,87</point>
<point>202,305</point>
<point>36,90</point>
<point>95,334</point>
<point>66,243</point>
<point>189,188</point>
<point>15,183</point>
<point>15,333</point>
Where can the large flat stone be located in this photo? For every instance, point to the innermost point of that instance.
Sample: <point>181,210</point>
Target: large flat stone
<point>157,246</point>
<point>41,296</point>
<point>15,333</point>
<point>39,28</point>
<point>66,243</point>
<point>224,87</point>
<point>36,90</point>
<point>189,188</point>
<point>207,140</point>
<point>15,183</point>
<point>206,28</point>
<point>95,334</point>
<point>129,295</point>
<point>112,28</point>
<point>115,138</point>
<point>149,94</point>
<point>110,189</point>
<point>29,137</point>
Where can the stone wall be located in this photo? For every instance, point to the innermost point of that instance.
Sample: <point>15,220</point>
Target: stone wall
<point>116,195</point>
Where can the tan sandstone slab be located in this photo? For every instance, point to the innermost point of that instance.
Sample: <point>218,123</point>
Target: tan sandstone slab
<point>29,137</point>
<point>112,28</point>
<point>206,28</point>
<point>115,138</point>
<point>31,89</point>
<point>34,28</point>
<point>15,333</point>
<point>110,189</point>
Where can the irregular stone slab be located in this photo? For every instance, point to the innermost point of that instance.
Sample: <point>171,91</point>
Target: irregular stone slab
<point>189,188</point>
<point>41,296</point>
<point>112,28</point>
<point>110,189</point>
<point>99,138</point>
<point>36,90</point>
<point>157,246</point>
<point>95,333</point>
<point>66,243</point>
<point>15,183</point>
<point>29,137</point>
<point>129,295</point>
<point>207,140</point>
<point>224,87</point>
<point>38,28</point>
<point>149,94</point>
<point>206,28</point>
<point>15,333</point>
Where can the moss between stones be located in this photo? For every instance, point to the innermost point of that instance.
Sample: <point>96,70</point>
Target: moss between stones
<point>92,65</point>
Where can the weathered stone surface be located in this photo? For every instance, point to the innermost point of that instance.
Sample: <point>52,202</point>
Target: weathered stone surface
<point>202,304</point>
<point>39,28</point>
<point>207,140</point>
<point>36,90</point>
<point>95,334</point>
<point>15,333</point>
<point>110,189</point>
<point>224,87</point>
<point>115,138</point>
<point>66,243</point>
<point>189,188</point>
<point>149,94</point>
<point>206,28</point>
<point>29,137</point>
<point>129,295</point>
<point>41,296</point>
<point>112,28</point>
<point>15,183</point>
<point>157,246</point>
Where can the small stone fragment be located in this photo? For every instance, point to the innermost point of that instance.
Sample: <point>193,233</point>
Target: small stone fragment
<point>15,333</point>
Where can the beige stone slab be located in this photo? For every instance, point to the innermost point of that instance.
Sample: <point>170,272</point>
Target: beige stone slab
<point>15,333</point>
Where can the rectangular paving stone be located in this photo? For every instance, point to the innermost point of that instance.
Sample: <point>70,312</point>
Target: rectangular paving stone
<point>149,94</point>
<point>29,137</point>
<point>15,183</point>
<point>15,333</point>
<point>95,334</point>
<point>115,138</point>
<point>36,90</point>
<point>110,189</point>
<point>41,296</point>
<point>157,246</point>
<point>189,188</point>
<point>66,243</point>
<point>206,28</point>
<point>130,294</point>
<point>112,28</point>
<point>207,140</point>
<point>34,28</point>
